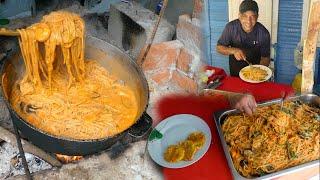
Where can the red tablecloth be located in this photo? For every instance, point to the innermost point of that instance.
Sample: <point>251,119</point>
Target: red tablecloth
<point>213,165</point>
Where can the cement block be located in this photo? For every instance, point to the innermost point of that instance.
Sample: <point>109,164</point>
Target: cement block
<point>130,26</point>
<point>189,33</point>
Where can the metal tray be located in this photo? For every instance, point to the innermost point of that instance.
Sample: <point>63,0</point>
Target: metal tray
<point>221,116</point>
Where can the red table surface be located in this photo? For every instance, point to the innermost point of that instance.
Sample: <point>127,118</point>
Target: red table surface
<point>213,165</point>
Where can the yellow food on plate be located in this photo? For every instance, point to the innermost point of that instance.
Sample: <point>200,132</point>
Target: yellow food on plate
<point>185,150</point>
<point>198,138</point>
<point>254,73</point>
<point>190,149</point>
<point>174,153</point>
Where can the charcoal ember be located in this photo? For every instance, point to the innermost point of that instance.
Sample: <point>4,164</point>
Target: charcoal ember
<point>11,162</point>
<point>34,163</point>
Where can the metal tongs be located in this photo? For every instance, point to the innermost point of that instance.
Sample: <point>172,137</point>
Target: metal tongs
<point>213,84</point>
<point>7,32</point>
<point>283,96</point>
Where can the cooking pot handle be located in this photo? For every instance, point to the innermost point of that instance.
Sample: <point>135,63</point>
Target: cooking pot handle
<point>141,127</point>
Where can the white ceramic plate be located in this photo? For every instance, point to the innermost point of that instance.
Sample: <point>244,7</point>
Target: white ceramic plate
<point>256,65</point>
<point>175,129</point>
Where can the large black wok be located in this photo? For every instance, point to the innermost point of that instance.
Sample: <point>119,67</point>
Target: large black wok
<point>116,62</point>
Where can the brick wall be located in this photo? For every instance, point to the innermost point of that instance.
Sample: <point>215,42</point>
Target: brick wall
<point>173,66</point>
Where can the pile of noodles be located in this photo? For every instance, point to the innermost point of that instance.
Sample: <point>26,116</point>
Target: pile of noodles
<point>274,138</point>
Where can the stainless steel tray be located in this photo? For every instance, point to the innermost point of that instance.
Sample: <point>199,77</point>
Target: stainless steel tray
<point>221,116</point>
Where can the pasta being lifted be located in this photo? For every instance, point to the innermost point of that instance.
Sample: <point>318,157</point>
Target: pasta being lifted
<point>58,31</point>
<point>61,93</point>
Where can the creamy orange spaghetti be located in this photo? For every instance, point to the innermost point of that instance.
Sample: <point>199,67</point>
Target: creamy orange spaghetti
<point>62,94</point>
<point>254,73</point>
<point>273,139</point>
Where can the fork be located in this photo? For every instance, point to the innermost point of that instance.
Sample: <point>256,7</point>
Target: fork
<point>247,62</point>
<point>143,154</point>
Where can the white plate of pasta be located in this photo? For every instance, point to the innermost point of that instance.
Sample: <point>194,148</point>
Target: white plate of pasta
<point>255,73</point>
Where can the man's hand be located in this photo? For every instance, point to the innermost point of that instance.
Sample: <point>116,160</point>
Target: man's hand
<point>243,102</point>
<point>238,54</point>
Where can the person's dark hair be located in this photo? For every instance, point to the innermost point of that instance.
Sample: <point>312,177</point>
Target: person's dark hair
<point>248,5</point>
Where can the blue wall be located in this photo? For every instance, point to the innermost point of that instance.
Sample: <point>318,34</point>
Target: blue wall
<point>217,18</point>
<point>289,33</point>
